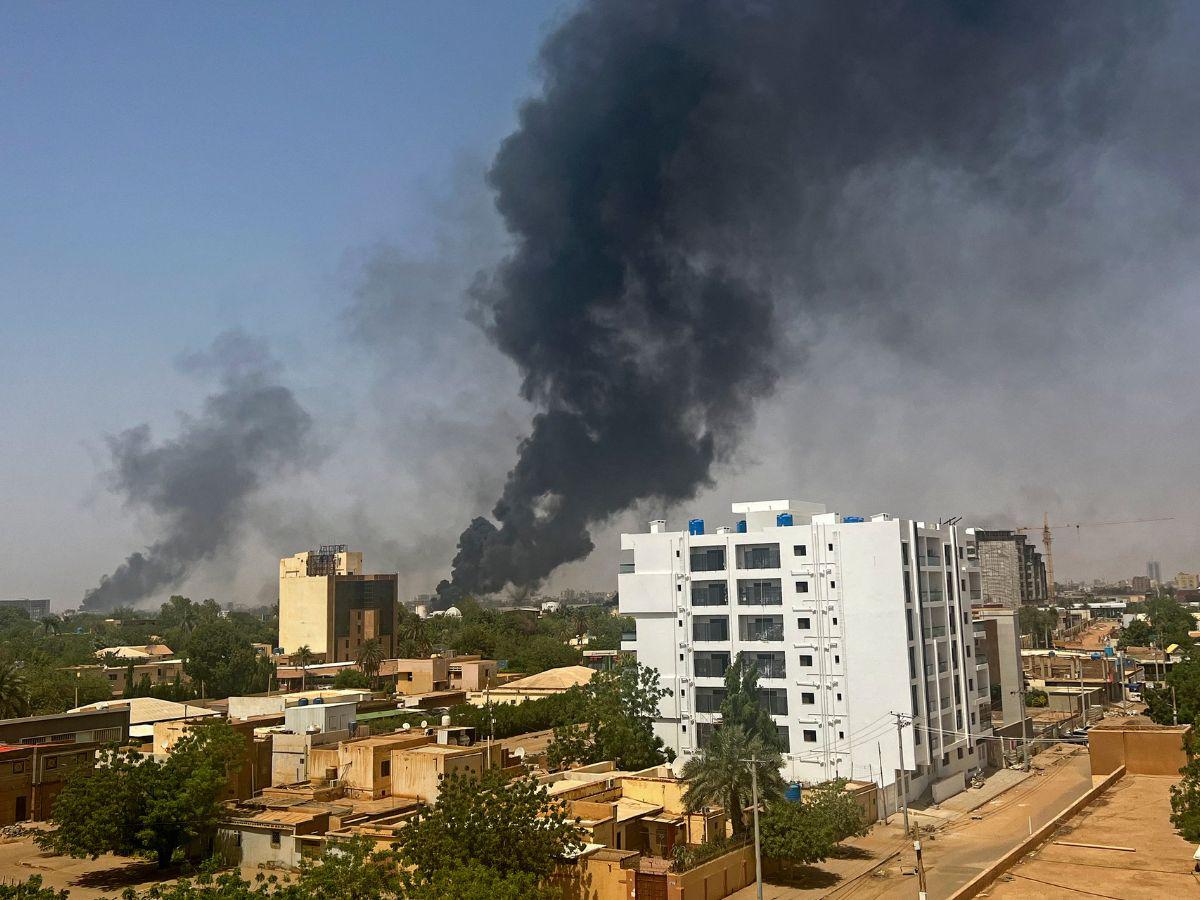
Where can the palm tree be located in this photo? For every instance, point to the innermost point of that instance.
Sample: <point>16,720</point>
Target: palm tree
<point>51,624</point>
<point>579,623</point>
<point>370,657</point>
<point>304,657</point>
<point>412,631</point>
<point>14,693</point>
<point>720,776</point>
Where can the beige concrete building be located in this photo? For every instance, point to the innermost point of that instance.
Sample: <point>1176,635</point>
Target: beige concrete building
<point>1186,581</point>
<point>328,605</point>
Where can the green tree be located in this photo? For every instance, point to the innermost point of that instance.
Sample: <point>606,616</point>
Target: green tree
<point>53,690</point>
<point>721,774</point>
<point>742,705</point>
<point>304,657</point>
<point>1170,622</point>
<point>618,709</point>
<point>221,659</point>
<point>14,690</point>
<point>1185,795</point>
<point>1036,698</point>
<point>512,828</point>
<point>130,804</point>
<point>30,889</point>
<point>534,654</point>
<point>807,831</point>
<point>1039,624</point>
<point>1135,634</point>
<point>370,657</point>
<point>1184,678</point>
<point>413,635</point>
<point>351,678</point>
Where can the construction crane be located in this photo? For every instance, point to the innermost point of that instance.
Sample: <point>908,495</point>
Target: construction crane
<point>1048,538</point>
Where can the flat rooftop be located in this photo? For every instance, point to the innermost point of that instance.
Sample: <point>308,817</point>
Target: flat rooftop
<point>1134,813</point>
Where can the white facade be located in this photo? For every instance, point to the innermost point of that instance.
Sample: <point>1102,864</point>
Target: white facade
<point>851,621</point>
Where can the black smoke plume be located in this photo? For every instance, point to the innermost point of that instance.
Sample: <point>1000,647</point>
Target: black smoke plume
<point>675,187</point>
<point>197,484</point>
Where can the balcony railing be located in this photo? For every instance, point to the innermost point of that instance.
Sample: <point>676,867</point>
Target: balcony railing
<point>770,633</point>
<point>706,631</point>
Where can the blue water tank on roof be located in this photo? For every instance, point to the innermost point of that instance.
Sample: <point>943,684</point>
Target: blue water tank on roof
<point>741,527</point>
<point>317,701</point>
<point>784,520</point>
<point>853,519</point>
<point>695,526</point>
<point>303,701</point>
<point>792,794</point>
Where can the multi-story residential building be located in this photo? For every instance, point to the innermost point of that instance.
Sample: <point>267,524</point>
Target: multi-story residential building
<point>37,609</point>
<point>1011,569</point>
<point>1141,583</point>
<point>851,621</point>
<point>1187,581</point>
<point>328,605</point>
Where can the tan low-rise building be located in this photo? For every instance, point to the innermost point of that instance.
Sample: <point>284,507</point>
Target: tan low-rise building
<point>534,687</point>
<point>31,775</point>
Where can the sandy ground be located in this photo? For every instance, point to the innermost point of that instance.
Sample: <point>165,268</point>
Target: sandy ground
<point>107,876</point>
<point>1134,814</point>
<point>1094,637</point>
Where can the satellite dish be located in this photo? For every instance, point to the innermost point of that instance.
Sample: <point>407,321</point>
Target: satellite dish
<point>406,726</point>
<point>519,753</point>
<point>424,723</point>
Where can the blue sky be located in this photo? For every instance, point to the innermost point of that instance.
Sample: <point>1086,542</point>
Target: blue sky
<point>171,169</point>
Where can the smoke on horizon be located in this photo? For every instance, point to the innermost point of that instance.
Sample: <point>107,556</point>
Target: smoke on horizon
<point>682,199</point>
<point>197,483</point>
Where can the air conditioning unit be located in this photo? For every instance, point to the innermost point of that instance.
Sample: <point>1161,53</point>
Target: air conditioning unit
<point>684,679</point>
<point>683,645</point>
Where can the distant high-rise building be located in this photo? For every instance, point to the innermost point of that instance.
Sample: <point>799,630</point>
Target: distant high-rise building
<point>1186,581</point>
<point>1154,572</point>
<point>1140,583</point>
<point>1011,569</point>
<point>328,605</point>
<point>37,609</point>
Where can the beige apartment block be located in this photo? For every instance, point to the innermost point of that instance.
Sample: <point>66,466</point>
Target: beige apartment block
<point>328,605</point>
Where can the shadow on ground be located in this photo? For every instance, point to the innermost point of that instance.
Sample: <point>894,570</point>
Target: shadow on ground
<point>123,875</point>
<point>847,851</point>
<point>805,877</point>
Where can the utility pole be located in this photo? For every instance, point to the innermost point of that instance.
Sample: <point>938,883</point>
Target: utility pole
<point>902,781</point>
<point>882,786</point>
<point>1024,725</point>
<point>921,891</point>
<point>757,846</point>
<point>1174,708</point>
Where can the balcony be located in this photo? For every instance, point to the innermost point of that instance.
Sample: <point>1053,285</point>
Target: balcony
<point>931,596</point>
<point>761,633</point>
<point>935,631</point>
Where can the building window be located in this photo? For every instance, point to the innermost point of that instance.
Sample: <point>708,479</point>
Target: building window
<point>704,733</point>
<point>804,623</point>
<point>801,587</point>
<point>758,556</point>
<point>707,559</point>
<point>711,664</point>
<point>841,735</point>
<point>831,548</point>
<point>710,593</point>
<point>800,550</point>
<point>835,620</point>
<point>385,768</point>
<point>808,698</point>
<point>837,658</point>
<point>762,592</point>
<point>839,696</point>
<point>760,628</point>
<point>785,741</point>
<point>904,552</point>
<point>810,736</point>
<point>709,699</point>
<point>710,629</point>
<point>832,584</point>
<point>805,659</point>
<point>770,665</point>
<point>275,840</point>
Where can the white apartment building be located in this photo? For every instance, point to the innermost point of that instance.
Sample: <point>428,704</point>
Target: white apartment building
<point>850,620</point>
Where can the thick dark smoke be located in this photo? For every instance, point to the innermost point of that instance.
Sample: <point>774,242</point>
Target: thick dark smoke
<point>197,484</point>
<point>675,188</point>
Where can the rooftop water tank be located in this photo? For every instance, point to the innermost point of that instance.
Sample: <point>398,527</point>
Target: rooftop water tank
<point>853,519</point>
<point>695,526</point>
<point>741,527</point>
<point>784,520</point>
<point>303,701</point>
<point>792,794</point>
<point>317,701</point>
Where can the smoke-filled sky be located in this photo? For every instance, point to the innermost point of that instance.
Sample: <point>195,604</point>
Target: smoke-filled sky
<point>935,259</point>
